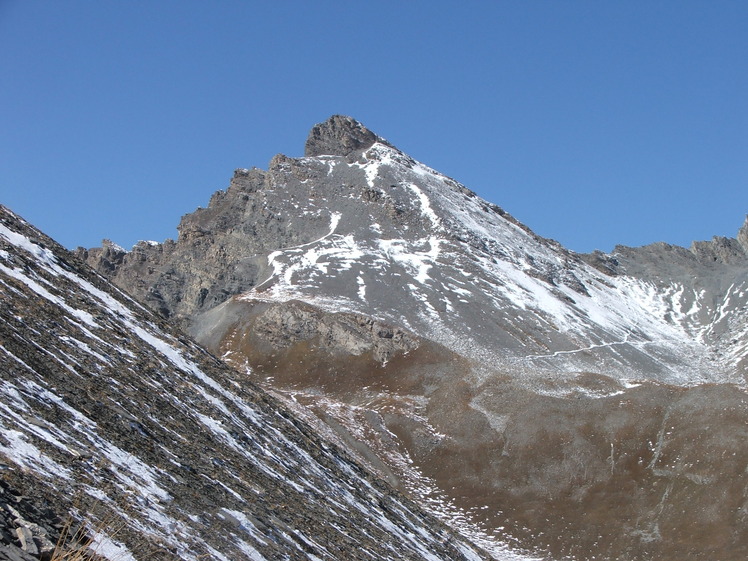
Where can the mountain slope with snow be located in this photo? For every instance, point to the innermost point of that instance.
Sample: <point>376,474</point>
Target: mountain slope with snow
<point>547,397</point>
<point>110,416</point>
<point>370,230</point>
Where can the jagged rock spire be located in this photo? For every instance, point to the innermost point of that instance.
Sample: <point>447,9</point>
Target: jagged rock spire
<point>339,136</point>
<point>743,235</point>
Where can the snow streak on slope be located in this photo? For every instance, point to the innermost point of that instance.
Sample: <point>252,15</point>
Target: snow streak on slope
<point>100,400</point>
<point>417,249</point>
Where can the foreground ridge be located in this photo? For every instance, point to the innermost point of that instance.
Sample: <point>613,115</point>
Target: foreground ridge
<point>160,451</point>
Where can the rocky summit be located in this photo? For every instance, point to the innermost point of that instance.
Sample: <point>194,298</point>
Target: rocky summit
<point>123,439</point>
<point>586,407</point>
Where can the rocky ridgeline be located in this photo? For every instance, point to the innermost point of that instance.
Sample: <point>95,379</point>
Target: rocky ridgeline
<point>113,419</point>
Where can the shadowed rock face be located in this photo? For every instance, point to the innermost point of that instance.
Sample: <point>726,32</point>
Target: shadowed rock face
<point>584,406</point>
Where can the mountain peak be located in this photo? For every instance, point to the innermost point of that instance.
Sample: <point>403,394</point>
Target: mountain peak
<point>743,235</point>
<point>339,136</point>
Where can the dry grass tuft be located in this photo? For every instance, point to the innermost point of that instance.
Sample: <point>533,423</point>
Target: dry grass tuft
<point>75,542</point>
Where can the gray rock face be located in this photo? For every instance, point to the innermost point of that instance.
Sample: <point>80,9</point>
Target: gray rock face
<point>221,249</point>
<point>720,250</point>
<point>110,416</point>
<point>339,136</point>
<point>21,539</point>
<point>743,236</point>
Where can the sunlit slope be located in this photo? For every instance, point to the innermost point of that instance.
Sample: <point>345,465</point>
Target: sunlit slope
<point>112,417</point>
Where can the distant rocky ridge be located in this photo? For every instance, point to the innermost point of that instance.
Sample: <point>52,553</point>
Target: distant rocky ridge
<point>114,420</point>
<point>578,406</point>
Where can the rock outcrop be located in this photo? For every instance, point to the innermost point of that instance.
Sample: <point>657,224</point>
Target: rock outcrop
<point>743,236</point>
<point>339,136</point>
<point>24,540</point>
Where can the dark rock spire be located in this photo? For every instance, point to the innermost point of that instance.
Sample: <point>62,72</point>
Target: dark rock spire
<point>339,136</point>
<point>743,235</point>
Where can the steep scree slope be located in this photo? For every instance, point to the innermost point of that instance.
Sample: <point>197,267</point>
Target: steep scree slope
<point>110,416</point>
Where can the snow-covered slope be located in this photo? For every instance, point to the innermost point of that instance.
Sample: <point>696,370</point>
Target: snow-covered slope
<point>108,414</point>
<point>458,270</point>
<point>359,226</point>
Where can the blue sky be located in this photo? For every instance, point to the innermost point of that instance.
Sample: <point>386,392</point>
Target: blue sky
<point>594,123</point>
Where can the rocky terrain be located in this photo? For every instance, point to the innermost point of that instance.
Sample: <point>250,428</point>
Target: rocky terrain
<point>577,406</point>
<point>121,435</point>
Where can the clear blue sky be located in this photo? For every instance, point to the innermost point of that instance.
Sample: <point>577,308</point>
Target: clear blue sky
<point>595,123</point>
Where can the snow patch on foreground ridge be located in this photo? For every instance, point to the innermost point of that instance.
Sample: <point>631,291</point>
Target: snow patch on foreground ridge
<point>102,331</point>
